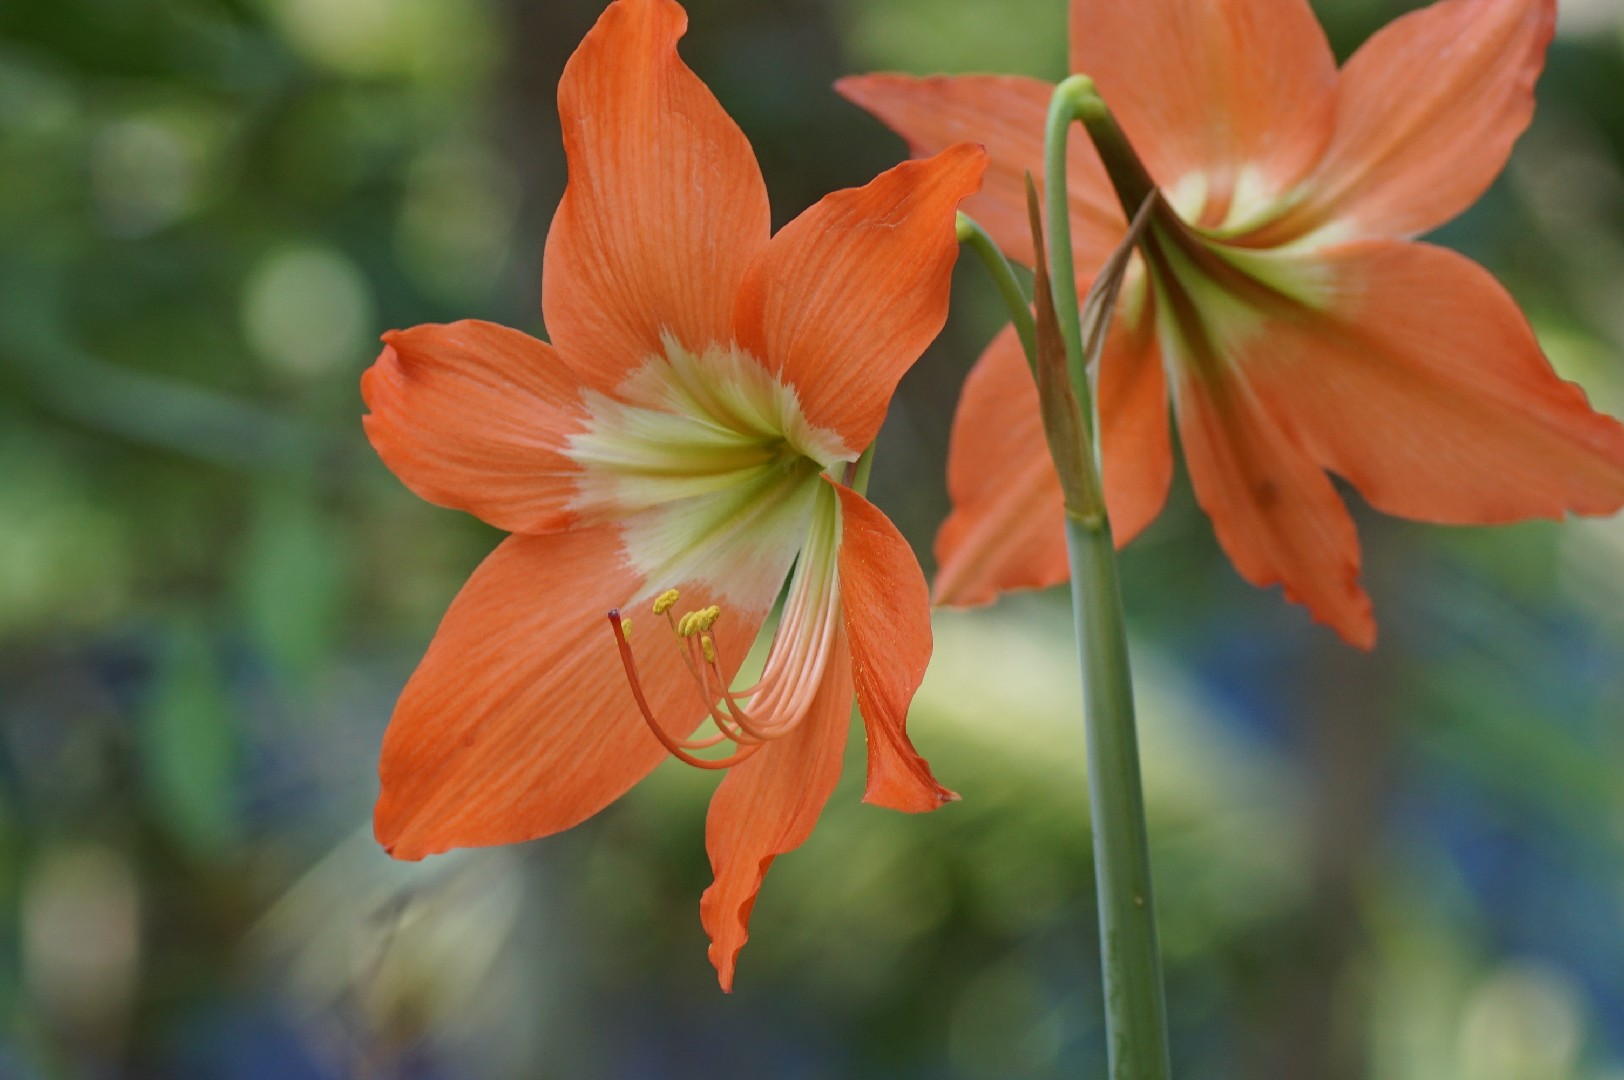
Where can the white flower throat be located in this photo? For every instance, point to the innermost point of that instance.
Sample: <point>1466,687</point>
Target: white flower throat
<point>715,476</point>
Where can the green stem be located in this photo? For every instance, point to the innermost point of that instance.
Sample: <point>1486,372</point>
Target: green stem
<point>1063,111</point>
<point>1128,174</point>
<point>1003,276</point>
<point>1135,1009</point>
<point>858,477</point>
<point>1130,959</point>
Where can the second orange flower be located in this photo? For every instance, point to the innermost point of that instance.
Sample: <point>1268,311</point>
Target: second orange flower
<point>1280,302</point>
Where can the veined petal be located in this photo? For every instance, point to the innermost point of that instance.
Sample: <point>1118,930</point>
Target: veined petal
<point>887,614</point>
<point>1240,92</point>
<point>1006,114</point>
<point>1136,449</point>
<point>1424,386</point>
<point>1274,510</point>
<point>519,721</point>
<point>845,298</point>
<point>665,206</point>
<point>1007,528</point>
<point>1427,112</point>
<point>767,806</point>
<point>473,416</point>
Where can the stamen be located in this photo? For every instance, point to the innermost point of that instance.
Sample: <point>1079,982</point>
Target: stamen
<point>688,744</point>
<point>695,669</point>
<point>782,698</point>
<point>787,687</point>
<point>697,622</point>
<point>701,673</point>
<point>735,706</point>
<point>673,745</point>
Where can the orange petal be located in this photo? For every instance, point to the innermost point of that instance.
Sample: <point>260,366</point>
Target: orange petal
<point>886,607</point>
<point>1275,512</point>
<point>845,298</point>
<point>1425,387</point>
<point>519,721</point>
<point>1212,86</point>
<point>1136,447</point>
<point>1007,528</point>
<point>1006,114</point>
<point>1428,111</point>
<point>665,205</point>
<point>767,805</point>
<point>472,416</point>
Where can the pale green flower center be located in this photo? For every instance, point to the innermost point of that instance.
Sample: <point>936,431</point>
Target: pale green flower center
<point>747,503</point>
<point>780,701</point>
<point>709,467</point>
<point>1214,291</point>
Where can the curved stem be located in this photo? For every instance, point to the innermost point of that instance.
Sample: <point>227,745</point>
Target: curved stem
<point>857,473</point>
<point>1130,958</point>
<point>981,243</point>
<point>1064,108</point>
<point>1128,174</point>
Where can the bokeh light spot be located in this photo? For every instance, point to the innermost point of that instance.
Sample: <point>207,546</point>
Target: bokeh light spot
<point>307,310</point>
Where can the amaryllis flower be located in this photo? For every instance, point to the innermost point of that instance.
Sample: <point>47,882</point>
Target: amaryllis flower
<point>1280,300</point>
<point>682,445</point>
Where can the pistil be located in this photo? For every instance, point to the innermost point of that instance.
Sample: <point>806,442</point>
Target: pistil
<point>776,704</point>
<point>678,747</point>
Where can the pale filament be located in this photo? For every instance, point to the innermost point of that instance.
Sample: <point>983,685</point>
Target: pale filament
<point>776,704</point>
<point>693,656</point>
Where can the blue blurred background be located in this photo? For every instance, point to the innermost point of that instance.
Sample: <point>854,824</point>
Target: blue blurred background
<point>1401,866</point>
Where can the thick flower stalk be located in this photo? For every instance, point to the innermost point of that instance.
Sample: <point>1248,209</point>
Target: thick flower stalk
<point>682,448</point>
<point>1279,301</point>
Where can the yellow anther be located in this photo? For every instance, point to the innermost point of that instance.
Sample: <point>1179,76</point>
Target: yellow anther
<point>625,627</point>
<point>697,622</point>
<point>708,647</point>
<point>666,601</point>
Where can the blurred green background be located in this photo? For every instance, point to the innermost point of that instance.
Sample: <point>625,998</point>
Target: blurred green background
<point>1401,866</point>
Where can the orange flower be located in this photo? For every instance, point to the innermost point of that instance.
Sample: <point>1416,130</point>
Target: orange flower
<point>1279,299</point>
<point>680,441</point>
